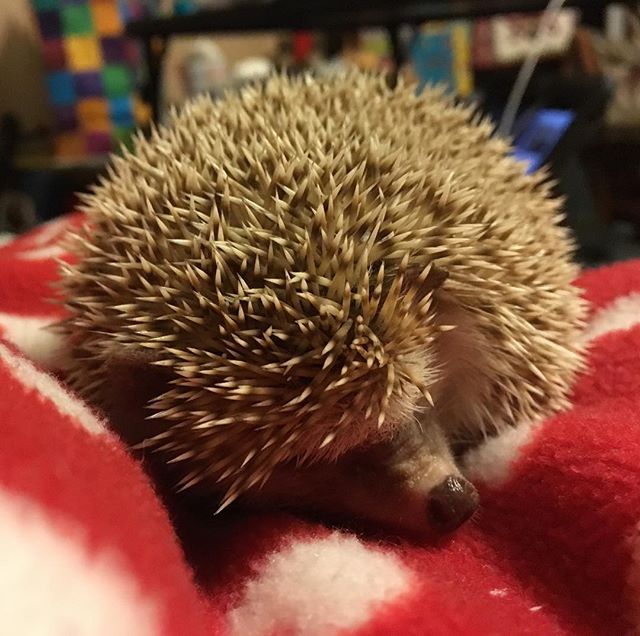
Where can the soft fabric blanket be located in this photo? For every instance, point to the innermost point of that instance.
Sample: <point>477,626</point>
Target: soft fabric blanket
<point>86,547</point>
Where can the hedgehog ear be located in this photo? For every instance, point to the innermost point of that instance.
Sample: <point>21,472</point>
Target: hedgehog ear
<point>434,280</point>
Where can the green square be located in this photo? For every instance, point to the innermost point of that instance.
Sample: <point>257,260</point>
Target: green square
<point>123,135</point>
<point>45,5</point>
<point>76,19</point>
<point>116,79</point>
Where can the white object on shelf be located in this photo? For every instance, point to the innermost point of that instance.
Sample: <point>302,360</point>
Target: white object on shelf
<point>251,69</point>
<point>204,68</point>
<point>513,41</point>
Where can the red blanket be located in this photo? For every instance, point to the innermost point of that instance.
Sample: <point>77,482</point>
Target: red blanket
<point>86,547</point>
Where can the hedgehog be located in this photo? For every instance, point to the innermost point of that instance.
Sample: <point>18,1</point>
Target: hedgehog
<point>317,293</point>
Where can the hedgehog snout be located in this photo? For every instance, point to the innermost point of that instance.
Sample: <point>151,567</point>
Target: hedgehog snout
<point>452,502</point>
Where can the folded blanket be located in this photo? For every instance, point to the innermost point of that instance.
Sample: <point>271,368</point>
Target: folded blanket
<point>86,546</point>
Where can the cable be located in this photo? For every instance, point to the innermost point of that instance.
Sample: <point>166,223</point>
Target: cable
<point>526,71</point>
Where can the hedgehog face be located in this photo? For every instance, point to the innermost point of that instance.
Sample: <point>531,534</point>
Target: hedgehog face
<point>400,475</point>
<point>404,479</point>
<point>410,483</point>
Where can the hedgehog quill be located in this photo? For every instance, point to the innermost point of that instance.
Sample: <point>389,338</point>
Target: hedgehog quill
<point>317,290</point>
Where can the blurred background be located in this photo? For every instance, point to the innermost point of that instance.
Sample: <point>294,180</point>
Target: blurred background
<point>562,79</point>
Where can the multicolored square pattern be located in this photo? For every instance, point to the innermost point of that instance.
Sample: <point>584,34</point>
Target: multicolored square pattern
<point>91,70</point>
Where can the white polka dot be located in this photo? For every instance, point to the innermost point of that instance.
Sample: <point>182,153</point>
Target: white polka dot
<point>42,253</point>
<point>491,462</point>
<point>30,335</point>
<point>6,238</point>
<point>498,592</point>
<point>50,231</point>
<point>622,313</point>
<point>318,587</point>
<point>51,584</point>
<point>51,391</point>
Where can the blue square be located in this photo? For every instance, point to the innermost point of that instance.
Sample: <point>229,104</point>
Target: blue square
<point>61,88</point>
<point>121,111</point>
<point>125,10</point>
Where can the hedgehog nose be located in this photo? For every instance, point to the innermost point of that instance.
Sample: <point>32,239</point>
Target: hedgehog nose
<point>451,503</point>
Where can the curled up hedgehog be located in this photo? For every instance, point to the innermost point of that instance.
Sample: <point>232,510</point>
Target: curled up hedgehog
<point>316,292</point>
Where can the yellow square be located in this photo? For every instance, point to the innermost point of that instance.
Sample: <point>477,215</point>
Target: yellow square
<point>93,114</point>
<point>141,111</point>
<point>83,53</point>
<point>106,17</point>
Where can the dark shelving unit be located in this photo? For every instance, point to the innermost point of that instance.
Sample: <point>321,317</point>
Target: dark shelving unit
<point>326,16</point>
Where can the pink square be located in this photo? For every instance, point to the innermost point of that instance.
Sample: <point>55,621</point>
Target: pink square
<point>99,142</point>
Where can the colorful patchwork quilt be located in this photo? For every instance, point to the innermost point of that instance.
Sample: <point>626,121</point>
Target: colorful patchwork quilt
<point>90,72</point>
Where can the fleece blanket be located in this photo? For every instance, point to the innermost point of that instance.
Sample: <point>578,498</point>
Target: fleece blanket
<point>87,548</point>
